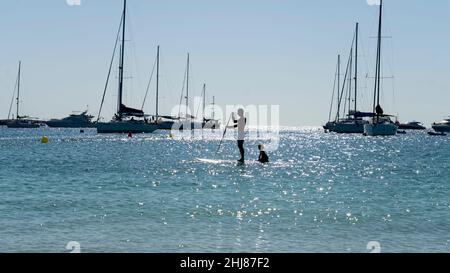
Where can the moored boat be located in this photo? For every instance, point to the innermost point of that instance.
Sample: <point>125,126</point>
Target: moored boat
<point>22,122</point>
<point>126,126</point>
<point>413,125</point>
<point>347,126</point>
<point>443,126</point>
<point>4,122</point>
<point>380,124</point>
<point>126,120</point>
<point>81,120</point>
<point>354,121</point>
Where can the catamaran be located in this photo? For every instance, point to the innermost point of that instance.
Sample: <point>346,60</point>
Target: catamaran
<point>380,124</point>
<point>23,122</point>
<point>126,119</point>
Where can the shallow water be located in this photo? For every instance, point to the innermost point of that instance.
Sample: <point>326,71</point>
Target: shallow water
<point>321,193</point>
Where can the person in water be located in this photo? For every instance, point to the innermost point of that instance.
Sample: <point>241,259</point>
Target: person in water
<point>263,157</point>
<point>239,124</point>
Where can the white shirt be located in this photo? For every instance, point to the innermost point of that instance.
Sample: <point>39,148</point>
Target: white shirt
<point>241,122</point>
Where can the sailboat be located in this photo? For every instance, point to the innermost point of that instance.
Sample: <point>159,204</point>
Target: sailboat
<point>177,123</point>
<point>381,124</point>
<point>21,121</point>
<point>163,122</point>
<point>126,119</point>
<point>208,123</point>
<point>353,123</point>
<point>187,122</point>
<point>330,124</point>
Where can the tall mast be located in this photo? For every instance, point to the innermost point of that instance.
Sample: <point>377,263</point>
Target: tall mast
<point>204,100</point>
<point>379,52</point>
<point>157,85</point>
<point>339,87</point>
<point>122,57</point>
<point>214,108</point>
<point>376,101</point>
<point>350,82</point>
<point>18,90</point>
<point>334,92</point>
<point>356,68</point>
<point>187,84</point>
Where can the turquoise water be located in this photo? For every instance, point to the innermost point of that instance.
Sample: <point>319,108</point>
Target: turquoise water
<point>321,193</point>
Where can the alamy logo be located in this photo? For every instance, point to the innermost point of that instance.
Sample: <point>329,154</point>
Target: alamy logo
<point>373,2</point>
<point>73,2</point>
<point>262,123</point>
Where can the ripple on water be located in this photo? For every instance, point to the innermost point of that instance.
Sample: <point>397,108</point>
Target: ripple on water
<point>322,192</point>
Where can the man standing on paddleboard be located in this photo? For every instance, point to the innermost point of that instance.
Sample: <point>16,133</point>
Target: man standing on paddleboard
<point>240,124</point>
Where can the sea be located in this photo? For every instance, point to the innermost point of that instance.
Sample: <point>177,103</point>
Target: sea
<point>90,193</point>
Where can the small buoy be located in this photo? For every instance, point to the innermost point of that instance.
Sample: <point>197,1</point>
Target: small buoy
<point>130,135</point>
<point>44,140</point>
<point>81,131</point>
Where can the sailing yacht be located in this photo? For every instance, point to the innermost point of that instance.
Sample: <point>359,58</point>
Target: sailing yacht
<point>380,124</point>
<point>330,124</point>
<point>353,123</point>
<point>186,122</point>
<point>178,123</point>
<point>23,122</point>
<point>209,123</point>
<point>126,119</point>
<point>163,122</point>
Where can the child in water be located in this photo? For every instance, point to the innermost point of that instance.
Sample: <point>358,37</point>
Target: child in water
<point>263,157</point>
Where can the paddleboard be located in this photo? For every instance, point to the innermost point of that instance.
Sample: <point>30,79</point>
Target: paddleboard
<point>213,161</point>
<point>216,162</point>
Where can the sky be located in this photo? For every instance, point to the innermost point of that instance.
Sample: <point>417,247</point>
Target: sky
<point>248,52</point>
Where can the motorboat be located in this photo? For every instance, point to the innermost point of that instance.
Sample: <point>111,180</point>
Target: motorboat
<point>443,126</point>
<point>413,125</point>
<point>81,120</point>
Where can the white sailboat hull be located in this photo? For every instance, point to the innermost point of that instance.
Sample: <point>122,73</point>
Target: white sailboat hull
<point>380,129</point>
<point>125,127</point>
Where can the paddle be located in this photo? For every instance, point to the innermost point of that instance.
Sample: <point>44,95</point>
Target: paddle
<point>224,133</point>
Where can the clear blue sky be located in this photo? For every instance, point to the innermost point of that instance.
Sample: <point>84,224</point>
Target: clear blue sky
<point>247,51</point>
